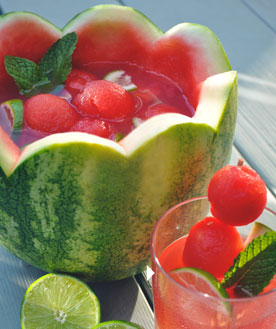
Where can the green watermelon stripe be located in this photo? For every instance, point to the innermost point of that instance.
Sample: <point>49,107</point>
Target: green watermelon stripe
<point>85,205</point>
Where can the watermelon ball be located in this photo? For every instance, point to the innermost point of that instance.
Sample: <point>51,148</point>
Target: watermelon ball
<point>49,113</point>
<point>77,79</point>
<point>212,246</point>
<point>92,126</point>
<point>237,195</point>
<point>105,99</point>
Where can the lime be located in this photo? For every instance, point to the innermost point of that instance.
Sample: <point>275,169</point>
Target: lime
<point>59,301</point>
<point>137,121</point>
<point>120,77</point>
<point>202,282</point>
<point>117,325</point>
<point>257,230</point>
<point>13,110</point>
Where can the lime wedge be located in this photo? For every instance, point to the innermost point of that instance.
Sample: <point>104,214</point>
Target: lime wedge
<point>137,121</point>
<point>117,325</point>
<point>120,77</point>
<point>59,301</point>
<point>257,230</point>
<point>13,111</point>
<point>202,282</point>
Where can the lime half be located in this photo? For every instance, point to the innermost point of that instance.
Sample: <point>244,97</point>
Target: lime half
<point>59,301</point>
<point>202,282</point>
<point>123,79</point>
<point>117,325</point>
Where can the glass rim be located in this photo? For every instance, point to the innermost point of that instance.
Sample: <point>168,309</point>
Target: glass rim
<point>196,293</point>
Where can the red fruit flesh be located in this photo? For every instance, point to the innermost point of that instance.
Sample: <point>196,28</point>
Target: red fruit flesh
<point>105,99</point>
<point>49,114</point>
<point>85,104</point>
<point>92,126</point>
<point>76,81</point>
<point>160,109</point>
<point>237,195</point>
<point>212,246</point>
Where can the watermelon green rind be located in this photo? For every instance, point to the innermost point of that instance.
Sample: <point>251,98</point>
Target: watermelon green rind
<point>15,43</point>
<point>211,48</point>
<point>9,153</point>
<point>85,205</point>
<point>136,32</point>
<point>115,13</point>
<point>10,16</point>
<point>224,88</point>
<point>74,216</point>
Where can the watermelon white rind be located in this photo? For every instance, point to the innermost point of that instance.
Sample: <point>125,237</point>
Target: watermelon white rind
<point>85,205</point>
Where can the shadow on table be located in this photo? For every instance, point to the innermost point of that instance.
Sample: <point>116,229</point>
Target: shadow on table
<point>15,277</point>
<point>117,299</point>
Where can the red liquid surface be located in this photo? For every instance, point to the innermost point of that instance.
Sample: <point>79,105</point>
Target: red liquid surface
<point>152,89</point>
<point>179,308</point>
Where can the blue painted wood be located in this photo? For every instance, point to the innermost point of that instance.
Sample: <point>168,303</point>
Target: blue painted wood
<point>58,12</point>
<point>251,46</point>
<point>121,300</point>
<point>265,10</point>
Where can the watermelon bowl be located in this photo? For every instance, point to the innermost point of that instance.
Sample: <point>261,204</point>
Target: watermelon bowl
<point>81,204</point>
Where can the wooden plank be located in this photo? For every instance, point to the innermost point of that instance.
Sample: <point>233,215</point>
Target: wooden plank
<point>271,201</point>
<point>256,126</point>
<point>265,10</point>
<point>121,300</point>
<point>58,12</point>
<point>251,47</point>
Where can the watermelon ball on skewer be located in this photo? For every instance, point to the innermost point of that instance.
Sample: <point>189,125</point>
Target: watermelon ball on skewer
<point>104,99</point>
<point>212,246</point>
<point>49,113</point>
<point>237,195</point>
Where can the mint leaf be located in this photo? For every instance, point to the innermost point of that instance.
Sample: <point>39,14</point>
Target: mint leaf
<point>254,268</point>
<point>25,73</point>
<point>33,79</point>
<point>56,63</point>
<point>118,137</point>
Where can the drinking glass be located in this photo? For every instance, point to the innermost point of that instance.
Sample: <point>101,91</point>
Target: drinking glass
<point>179,307</point>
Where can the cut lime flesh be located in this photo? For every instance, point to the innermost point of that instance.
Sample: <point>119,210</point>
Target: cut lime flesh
<point>117,325</point>
<point>202,282</point>
<point>14,111</point>
<point>59,301</point>
<point>257,230</point>
<point>137,121</point>
<point>120,77</point>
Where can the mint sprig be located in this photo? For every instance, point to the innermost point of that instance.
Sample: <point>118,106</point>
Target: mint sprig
<point>118,137</point>
<point>254,268</point>
<point>51,71</point>
<point>25,73</point>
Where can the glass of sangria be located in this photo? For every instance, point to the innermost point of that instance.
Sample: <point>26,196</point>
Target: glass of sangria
<point>180,306</point>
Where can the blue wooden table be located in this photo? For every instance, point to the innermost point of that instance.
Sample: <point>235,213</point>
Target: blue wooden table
<point>247,30</point>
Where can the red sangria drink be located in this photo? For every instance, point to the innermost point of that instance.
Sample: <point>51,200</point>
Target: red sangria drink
<point>190,298</point>
<point>104,99</point>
